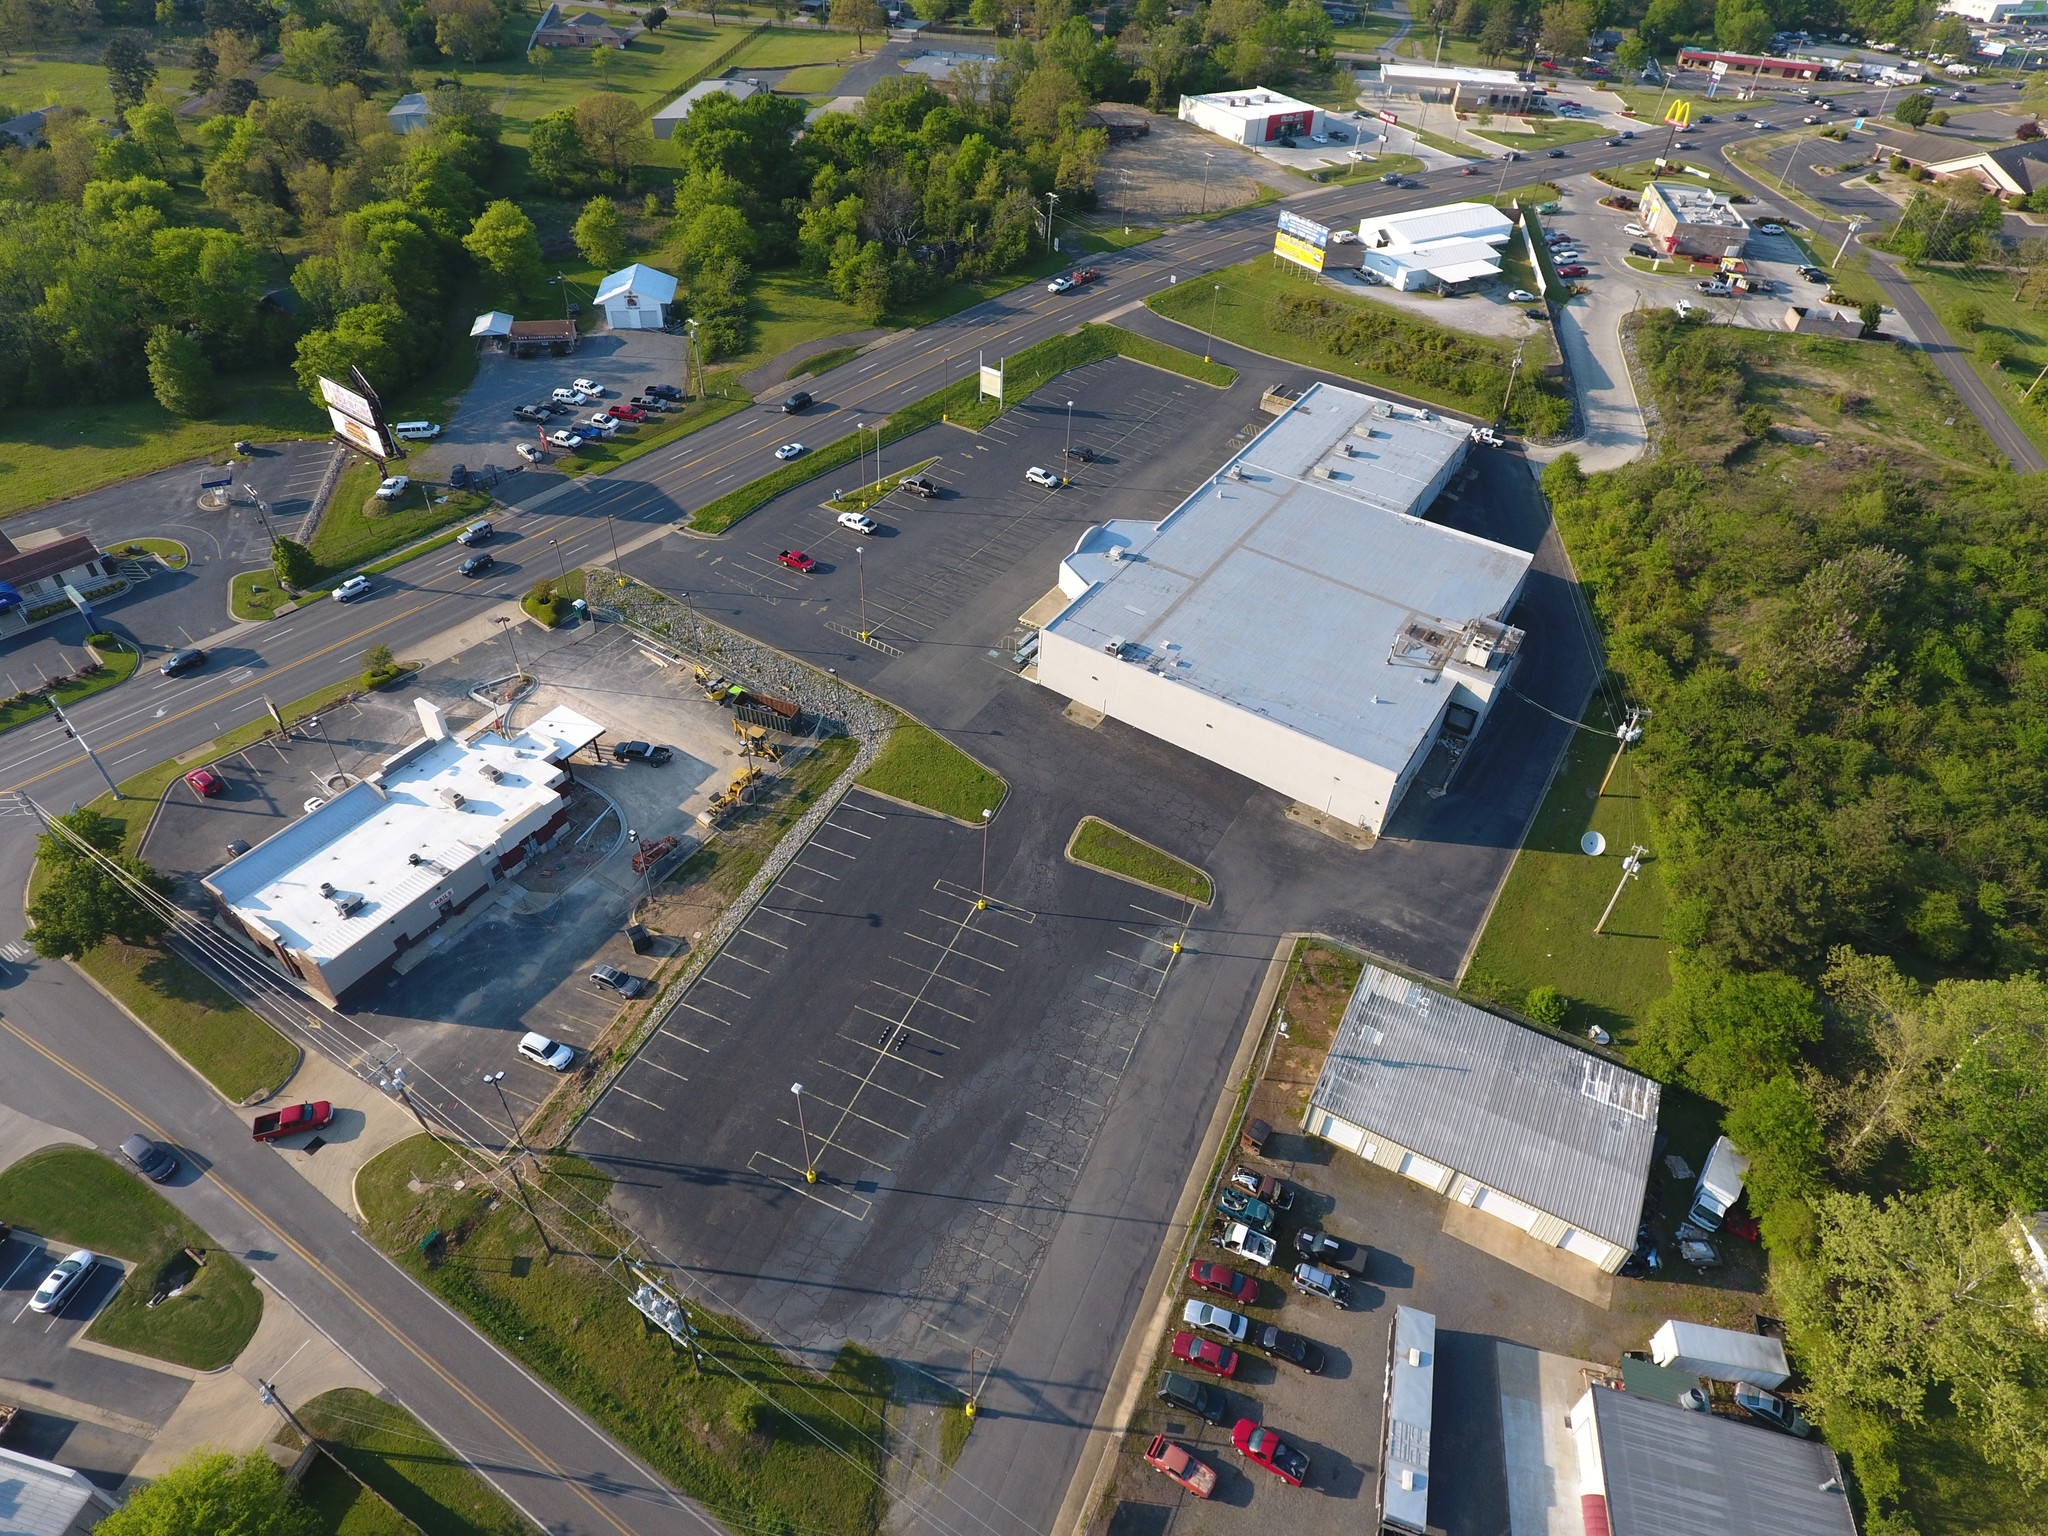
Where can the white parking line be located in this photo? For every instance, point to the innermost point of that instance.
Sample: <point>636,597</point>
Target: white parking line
<point>649,1061</point>
<point>713,981</point>
<point>729,955</point>
<point>830,1141</point>
<point>714,1018</point>
<point>795,864</point>
<point>828,848</point>
<point>951,949</point>
<point>771,912</point>
<point>866,837</point>
<point>923,1001</point>
<point>610,1127</point>
<point>629,1093</point>
<point>862,810</point>
<point>878,1087</point>
<point>980,932</point>
<point>1033,1152</point>
<point>999,1264</point>
<point>764,938</point>
<point>796,1185</point>
<point>952,981</point>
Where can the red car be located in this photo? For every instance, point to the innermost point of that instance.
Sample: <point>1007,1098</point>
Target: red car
<point>627,412</point>
<point>797,560</point>
<point>1573,270</point>
<point>1204,1354</point>
<point>1182,1465</point>
<point>1257,1443</point>
<point>1086,275</point>
<point>205,781</point>
<point>1224,1281</point>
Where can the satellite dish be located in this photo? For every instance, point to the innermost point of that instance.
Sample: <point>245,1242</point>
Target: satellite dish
<point>1593,843</point>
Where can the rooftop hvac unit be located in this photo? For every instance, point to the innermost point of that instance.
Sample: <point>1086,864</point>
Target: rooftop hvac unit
<point>1114,645</point>
<point>452,798</point>
<point>1325,472</point>
<point>490,772</point>
<point>348,905</point>
<point>1114,554</point>
<point>1237,471</point>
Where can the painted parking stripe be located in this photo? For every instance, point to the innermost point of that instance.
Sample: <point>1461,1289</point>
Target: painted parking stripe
<point>764,937</point>
<point>828,848</point>
<point>828,1139</point>
<point>848,805</point>
<point>629,1093</point>
<point>925,970</point>
<point>737,960</point>
<point>610,1127</point>
<point>847,1109</point>
<point>861,1077</point>
<point>999,1264</point>
<point>713,981</point>
<point>952,948</point>
<point>905,1027</point>
<point>766,911</point>
<point>923,1001</point>
<point>1043,1158</point>
<point>648,1061</point>
<point>684,1002</point>
<point>979,933</point>
<point>864,836</point>
<point>1000,908</point>
<point>798,864</point>
<point>791,1178</point>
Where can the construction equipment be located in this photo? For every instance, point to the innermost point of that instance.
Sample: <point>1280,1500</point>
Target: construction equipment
<point>651,853</point>
<point>713,684</point>
<point>754,741</point>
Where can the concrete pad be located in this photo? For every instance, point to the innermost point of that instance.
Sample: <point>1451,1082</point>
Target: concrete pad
<point>1536,1391</point>
<point>225,1409</point>
<point>365,1123</point>
<point>1511,1245</point>
<point>22,1134</point>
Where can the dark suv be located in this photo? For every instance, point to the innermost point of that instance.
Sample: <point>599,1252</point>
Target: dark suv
<point>797,403</point>
<point>665,391</point>
<point>1196,1397</point>
<point>612,979</point>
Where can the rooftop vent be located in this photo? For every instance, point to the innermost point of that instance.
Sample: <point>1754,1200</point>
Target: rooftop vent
<point>326,889</point>
<point>348,905</point>
<point>1114,645</point>
<point>452,798</point>
<point>1114,554</point>
<point>413,859</point>
<point>1326,472</point>
<point>489,771</point>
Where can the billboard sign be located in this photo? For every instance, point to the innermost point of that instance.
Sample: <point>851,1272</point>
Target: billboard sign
<point>357,417</point>
<point>1298,251</point>
<point>1307,230</point>
<point>370,439</point>
<point>340,397</point>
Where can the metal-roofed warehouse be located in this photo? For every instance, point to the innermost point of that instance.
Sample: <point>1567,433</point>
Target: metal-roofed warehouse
<point>1295,619</point>
<point>1648,1468</point>
<point>1546,1137</point>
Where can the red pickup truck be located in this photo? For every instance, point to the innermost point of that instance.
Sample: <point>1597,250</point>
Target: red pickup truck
<point>289,1122</point>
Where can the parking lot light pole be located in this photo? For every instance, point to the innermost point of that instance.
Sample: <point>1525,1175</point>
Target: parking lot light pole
<point>1854,225</point>
<point>561,566</point>
<point>505,630</point>
<point>617,569</point>
<point>810,1168</point>
<point>981,905</point>
<point>860,429</point>
<point>1070,429</point>
<point>860,566</point>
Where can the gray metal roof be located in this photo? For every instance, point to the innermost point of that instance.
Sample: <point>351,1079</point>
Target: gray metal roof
<point>1553,1126</point>
<point>1674,1473</point>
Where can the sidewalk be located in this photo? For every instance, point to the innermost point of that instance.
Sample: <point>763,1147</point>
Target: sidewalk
<point>366,1122</point>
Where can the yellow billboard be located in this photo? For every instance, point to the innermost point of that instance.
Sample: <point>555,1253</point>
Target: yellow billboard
<point>1298,251</point>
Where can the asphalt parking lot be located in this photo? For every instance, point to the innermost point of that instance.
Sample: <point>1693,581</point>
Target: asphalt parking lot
<point>86,1410</point>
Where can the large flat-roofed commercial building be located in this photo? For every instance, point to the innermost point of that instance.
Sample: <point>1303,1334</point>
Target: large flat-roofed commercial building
<point>1466,88</point>
<point>349,887</point>
<point>1692,221</point>
<point>1295,619</point>
<point>1537,1133</point>
<point>1756,65</point>
<point>1252,117</point>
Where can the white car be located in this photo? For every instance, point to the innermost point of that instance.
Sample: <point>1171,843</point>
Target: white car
<point>570,396</point>
<point>603,421</point>
<point>1059,285</point>
<point>1521,296</point>
<point>859,522</point>
<point>1044,477</point>
<point>1487,436</point>
<point>314,804</point>
<point>791,451</point>
<point>1565,253</point>
<point>1714,290</point>
<point>544,1052</point>
<point>1684,308</point>
<point>1770,229</point>
<point>62,1283</point>
<point>1221,1321</point>
<point>565,439</point>
<point>531,454</point>
<point>594,390</point>
<point>350,590</point>
<point>1635,231</point>
<point>393,487</point>
<point>1354,154</point>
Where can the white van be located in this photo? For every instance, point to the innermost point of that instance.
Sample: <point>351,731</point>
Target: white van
<point>420,430</point>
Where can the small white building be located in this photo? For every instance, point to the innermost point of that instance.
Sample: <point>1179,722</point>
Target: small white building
<point>636,298</point>
<point>1435,247</point>
<point>1396,639</point>
<point>680,109</point>
<point>1253,118</point>
<point>40,1498</point>
<point>1463,87</point>
<point>408,114</point>
<point>342,892</point>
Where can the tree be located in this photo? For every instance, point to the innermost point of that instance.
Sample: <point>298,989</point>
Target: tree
<point>372,337</point>
<point>555,153</point>
<point>1567,25</point>
<point>180,374</point>
<point>1914,109</point>
<point>154,127</point>
<point>656,15</point>
<point>325,55</point>
<point>1720,1031</point>
<point>1950,35</point>
<point>1497,33</point>
<point>1632,53</point>
<point>503,239</point>
<point>294,565</point>
<point>614,133</point>
<point>217,1493</point>
<point>859,17</point>
<point>1871,313</point>
<point>130,70</point>
<point>601,234</point>
<point>1742,26</point>
<point>85,899</point>
<point>467,31</point>
<point>379,666</point>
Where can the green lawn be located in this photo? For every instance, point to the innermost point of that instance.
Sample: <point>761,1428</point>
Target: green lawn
<point>232,1047</point>
<point>408,1466</point>
<point>788,47</point>
<point>82,1198</point>
<point>767,1445</point>
<point>1548,133</point>
<point>811,79</point>
<point>921,766</point>
<point>822,362</point>
<point>174,555</point>
<point>1114,851</point>
<point>595,457</point>
<point>1541,929</point>
<point>1366,34</point>
<point>1409,356</point>
<point>357,527</point>
<point>2022,320</point>
<point>1633,178</point>
<point>117,666</point>
<point>64,450</point>
<point>337,1505</point>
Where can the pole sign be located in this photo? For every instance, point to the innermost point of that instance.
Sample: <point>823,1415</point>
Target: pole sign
<point>1388,117</point>
<point>992,380</point>
<point>1680,113</point>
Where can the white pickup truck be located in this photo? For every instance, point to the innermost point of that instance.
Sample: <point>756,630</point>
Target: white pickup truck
<point>1235,1237</point>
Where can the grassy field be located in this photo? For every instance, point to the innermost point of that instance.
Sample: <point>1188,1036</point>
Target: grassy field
<point>924,768</point>
<point>1633,178</point>
<point>408,1466</point>
<point>2022,320</point>
<point>231,1047</point>
<point>1540,932</point>
<point>822,362</point>
<point>811,79</point>
<point>174,555</point>
<point>66,450</point>
<point>1546,133</point>
<point>71,1195</point>
<point>118,665</point>
<point>1242,314</point>
<point>337,1505</point>
<point>1114,851</point>
<point>764,1444</point>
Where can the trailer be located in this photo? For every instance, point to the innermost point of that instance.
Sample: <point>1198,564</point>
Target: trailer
<point>1720,1186</point>
<point>1720,1354</point>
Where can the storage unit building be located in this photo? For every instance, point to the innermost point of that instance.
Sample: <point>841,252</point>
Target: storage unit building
<point>1252,117</point>
<point>1529,1129</point>
<point>636,298</point>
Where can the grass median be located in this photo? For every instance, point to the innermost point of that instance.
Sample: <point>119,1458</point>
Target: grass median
<point>922,767</point>
<point>77,1197</point>
<point>407,1469</point>
<point>960,403</point>
<point>1116,852</point>
<point>764,1444</point>
<point>117,664</point>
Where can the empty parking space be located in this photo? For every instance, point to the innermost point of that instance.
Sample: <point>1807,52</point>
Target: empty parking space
<point>939,1057</point>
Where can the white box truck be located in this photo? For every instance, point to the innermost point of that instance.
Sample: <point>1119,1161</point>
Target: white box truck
<point>1720,1186</point>
<point>1720,1354</point>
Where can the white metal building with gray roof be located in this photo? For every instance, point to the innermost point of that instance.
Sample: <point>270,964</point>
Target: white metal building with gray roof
<point>1295,619</point>
<point>1551,1139</point>
<point>1648,1468</point>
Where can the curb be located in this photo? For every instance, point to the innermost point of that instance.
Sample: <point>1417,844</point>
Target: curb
<point>1144,885</point>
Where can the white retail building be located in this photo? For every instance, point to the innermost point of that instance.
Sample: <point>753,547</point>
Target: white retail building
<point>1295,619</point>
<point>342,892</point>
<point>636,298</point>
<point>1435,247</point>
<point>1252,117</point>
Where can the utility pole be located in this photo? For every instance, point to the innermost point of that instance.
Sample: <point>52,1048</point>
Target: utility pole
<point>1514,372</point>
<point>860,566</point>
<point>1208,159</point>
<point>78,736</point>
<point>1050,199</point>
<point>618,570</point>
<point>810,1168</point>
<point>396,1084</point>
<point>497,1081</point>
<point>1630,868</point>
<point>1215,296</point>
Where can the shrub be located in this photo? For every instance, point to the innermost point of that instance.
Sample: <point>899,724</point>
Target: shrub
<point>1994,347</point>
<point>1756,420</point>
<point>1968,317</point>
<point>1546,1005</point>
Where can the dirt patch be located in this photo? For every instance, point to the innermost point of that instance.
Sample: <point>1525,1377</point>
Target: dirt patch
<point>1318,985</point>
<point>1160,176</point>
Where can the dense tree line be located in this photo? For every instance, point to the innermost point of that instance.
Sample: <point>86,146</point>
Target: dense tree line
<point>1847,663</point>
